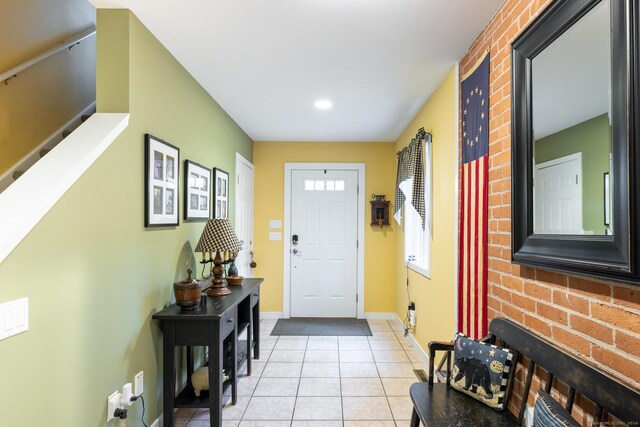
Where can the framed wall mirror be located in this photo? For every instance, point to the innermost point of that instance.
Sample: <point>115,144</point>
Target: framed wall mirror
<point>574,120</point>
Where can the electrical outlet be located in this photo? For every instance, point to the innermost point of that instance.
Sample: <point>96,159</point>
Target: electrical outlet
<point>113,403</point>
<point>138,384</point>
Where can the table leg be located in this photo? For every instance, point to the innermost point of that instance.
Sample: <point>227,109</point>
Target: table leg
<point>189,362</point>
<point>234,365</point>
<point>249,338</point>
<point>216,357</point>
<point>256,330</point>
<point>169,371</point>
<point>415,421</point>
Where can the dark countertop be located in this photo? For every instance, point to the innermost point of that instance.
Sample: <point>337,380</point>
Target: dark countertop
<point>216,306</point>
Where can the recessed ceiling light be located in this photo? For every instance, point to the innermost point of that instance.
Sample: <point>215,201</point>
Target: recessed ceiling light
<point>323,104</point>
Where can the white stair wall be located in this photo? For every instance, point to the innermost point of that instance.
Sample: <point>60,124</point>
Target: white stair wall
<point>47,181</point>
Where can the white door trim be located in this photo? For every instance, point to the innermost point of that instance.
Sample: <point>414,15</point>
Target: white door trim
<point>240,159</point>
<point>288,168</point>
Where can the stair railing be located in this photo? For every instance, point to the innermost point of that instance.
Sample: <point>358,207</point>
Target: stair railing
<point>67,44</point>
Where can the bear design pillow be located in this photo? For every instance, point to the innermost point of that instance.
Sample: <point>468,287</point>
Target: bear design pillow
<point>481,370</point>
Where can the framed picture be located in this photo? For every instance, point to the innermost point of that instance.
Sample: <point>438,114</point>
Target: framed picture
<point>197,191</point>
<point>161,180</point>
<point>221,193</point>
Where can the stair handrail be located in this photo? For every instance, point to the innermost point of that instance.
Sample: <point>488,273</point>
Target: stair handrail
<point>67,44</point>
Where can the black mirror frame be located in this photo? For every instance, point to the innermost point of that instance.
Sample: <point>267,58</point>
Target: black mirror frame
<point>609,257</point>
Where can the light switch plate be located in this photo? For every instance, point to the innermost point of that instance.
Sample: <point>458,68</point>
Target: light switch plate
<point>275,235</point>
<point>138,383</point>
<point>14,317</point>
<point>275,223</point>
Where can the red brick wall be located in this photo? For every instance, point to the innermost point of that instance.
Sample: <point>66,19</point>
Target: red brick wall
<point>597,321</point>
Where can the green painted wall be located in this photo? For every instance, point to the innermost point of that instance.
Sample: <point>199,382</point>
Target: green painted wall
<point>593,139</point>
<point>93,274</point>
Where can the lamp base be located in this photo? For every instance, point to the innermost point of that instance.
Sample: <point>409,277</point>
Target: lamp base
<point>218,287</point>
<point>218,290</point>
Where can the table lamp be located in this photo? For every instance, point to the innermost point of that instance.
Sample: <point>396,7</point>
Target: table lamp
<point>218,236</point>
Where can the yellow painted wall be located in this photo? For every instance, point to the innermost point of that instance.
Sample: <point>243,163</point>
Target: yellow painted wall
<point>44,97</point>
<point>94,275</point>
<point>380,244</point>
<point>434,297</point>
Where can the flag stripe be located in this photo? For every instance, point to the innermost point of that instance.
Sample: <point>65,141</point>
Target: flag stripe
<point>461,250</point>
<point>485,246</point>
<point>476,249</point>
<point>468,248</point>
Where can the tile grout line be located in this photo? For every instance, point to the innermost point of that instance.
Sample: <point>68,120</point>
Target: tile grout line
<point>380,378</point>
<point>258,382</point>
<point>340,382</point>
<point>295,402</point>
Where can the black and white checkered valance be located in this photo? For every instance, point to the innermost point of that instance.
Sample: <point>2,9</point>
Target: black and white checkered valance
<point>411,165</point>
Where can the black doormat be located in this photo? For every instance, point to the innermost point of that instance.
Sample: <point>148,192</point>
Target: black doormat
<point>322,326</point>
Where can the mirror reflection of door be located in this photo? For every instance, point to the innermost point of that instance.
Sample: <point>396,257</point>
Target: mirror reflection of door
<point>558,196</point>
<point>571,116</point>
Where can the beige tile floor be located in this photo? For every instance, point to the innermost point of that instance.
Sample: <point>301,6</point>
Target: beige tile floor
<point>323,381</point>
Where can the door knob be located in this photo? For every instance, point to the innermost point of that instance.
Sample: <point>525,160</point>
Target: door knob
<point>295,251</point>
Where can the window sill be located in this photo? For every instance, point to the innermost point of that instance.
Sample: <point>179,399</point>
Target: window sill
<point>423,270</point>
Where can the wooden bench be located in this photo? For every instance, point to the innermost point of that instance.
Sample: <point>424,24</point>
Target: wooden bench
<point>439,405</point>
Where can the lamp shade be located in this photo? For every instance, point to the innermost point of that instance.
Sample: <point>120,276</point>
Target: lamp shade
<point>218,235</point>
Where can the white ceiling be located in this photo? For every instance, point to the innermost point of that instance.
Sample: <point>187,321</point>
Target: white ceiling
<point>267,62</point>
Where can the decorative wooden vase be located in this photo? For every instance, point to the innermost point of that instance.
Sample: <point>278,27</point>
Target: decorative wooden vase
<point>188,293</point>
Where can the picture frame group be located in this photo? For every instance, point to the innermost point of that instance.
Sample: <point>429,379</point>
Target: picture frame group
<point>206,190</point>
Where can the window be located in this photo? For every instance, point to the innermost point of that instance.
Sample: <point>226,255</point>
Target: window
<point>417,242</point>
<point>413,202</point>
<point>311,185</point>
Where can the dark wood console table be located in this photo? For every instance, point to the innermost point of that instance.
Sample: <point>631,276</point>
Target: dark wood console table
<point>224,319</point>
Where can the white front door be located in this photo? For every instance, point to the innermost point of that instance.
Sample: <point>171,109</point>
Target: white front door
<point>244,214</point>
<point>324,219</point>
<point>558,196</point>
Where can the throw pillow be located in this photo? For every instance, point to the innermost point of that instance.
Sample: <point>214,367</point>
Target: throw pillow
<point>548,413</point>
<point>481,370</point>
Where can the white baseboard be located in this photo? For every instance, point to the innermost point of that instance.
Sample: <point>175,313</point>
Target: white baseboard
<point>271,315</point>
<point>380,316</point>
<point>370,315</point>
<point>424,356</point>
<point>158,422</point>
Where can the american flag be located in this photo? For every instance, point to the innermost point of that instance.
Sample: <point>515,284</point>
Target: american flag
<point>472,267</point>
